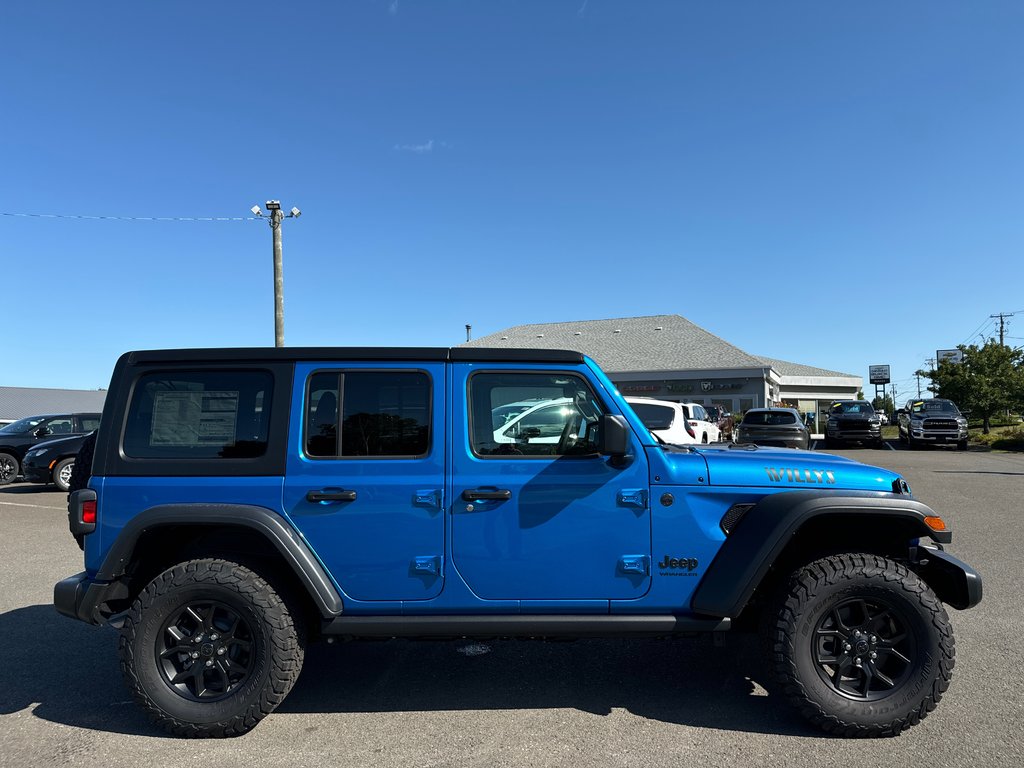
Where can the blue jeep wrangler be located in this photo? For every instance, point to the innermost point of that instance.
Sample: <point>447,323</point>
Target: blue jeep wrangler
<point>245,501</point>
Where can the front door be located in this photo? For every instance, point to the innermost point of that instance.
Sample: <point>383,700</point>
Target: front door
<point>537,514</point>
<point>366,488</point>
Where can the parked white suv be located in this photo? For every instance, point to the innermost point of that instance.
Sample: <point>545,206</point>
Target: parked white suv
<point>676,423</point>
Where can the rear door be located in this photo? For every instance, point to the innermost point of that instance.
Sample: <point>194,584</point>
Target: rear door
<point>365,486</point>
<point>544,518</point>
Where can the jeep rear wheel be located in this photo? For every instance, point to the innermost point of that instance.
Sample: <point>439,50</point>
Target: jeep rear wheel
<point>209,648</point>
<point>861,646</point>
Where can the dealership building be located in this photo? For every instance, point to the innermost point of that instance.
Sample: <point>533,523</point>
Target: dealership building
<point>667,357</point>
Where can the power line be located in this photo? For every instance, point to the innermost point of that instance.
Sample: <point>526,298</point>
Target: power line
<point>127,218</point>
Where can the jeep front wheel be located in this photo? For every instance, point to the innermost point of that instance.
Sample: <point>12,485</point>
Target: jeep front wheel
<point>209,648</point>
<point>861,646</point>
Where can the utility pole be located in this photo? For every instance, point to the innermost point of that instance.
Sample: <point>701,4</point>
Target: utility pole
<point>1002,326</point>
<point>275,217</point>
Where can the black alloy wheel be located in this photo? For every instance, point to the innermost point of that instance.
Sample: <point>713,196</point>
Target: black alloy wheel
<point>205,650</point>
<point>863,649</point>
<point>8,468</point>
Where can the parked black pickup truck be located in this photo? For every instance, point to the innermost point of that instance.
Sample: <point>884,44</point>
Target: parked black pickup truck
<point>853,421</point>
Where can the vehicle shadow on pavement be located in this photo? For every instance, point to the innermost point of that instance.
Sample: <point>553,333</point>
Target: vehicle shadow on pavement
<point>685,681</point>
<point>67,670</point>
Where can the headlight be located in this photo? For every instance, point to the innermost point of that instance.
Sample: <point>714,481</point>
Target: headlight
<point>962,421</point>
<point>37,452</point>
<point>875,420</point>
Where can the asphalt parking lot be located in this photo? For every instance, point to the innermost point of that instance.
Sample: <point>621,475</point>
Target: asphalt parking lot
<point>497,703</point>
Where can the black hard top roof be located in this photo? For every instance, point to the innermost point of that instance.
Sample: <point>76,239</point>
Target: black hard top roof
<point>360,354</point>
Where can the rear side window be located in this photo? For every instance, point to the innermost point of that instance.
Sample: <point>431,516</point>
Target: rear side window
<point>89,423</point>
<point>367,414</point>
<point>199,415</point>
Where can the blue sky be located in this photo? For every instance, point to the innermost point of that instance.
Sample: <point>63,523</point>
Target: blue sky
<point>836,184</point>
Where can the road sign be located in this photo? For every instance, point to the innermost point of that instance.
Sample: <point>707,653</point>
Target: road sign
<point>949,356</point>
<point>878,374</point>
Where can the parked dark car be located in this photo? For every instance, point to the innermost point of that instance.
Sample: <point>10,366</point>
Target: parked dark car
<point>853,421</point>
<point>17,438</point>
<point>52,461</point>
<point>773,426</point>
<point>723,419</point>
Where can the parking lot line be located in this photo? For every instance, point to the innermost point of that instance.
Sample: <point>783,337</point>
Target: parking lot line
<point>36,506</point>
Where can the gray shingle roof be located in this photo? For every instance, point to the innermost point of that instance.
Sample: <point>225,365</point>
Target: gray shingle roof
<point>786,368</point>
<point>653,343</point>
<point>19,402</point>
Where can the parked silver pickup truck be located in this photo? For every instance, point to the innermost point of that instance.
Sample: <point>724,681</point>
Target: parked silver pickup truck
<point>932,421</point>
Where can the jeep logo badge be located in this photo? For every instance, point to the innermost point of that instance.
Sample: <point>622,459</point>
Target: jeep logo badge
<point>689,563</point>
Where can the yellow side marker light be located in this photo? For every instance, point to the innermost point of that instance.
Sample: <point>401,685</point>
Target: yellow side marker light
<point>935,523</point>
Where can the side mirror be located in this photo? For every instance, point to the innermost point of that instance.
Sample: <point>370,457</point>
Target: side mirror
<point>42,432</point>
<point>614,437</point>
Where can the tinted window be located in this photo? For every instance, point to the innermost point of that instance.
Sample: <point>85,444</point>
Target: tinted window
<point>368,413</point>
<point>199,415</point>
<point>769,418</point>
<point>89,423</point>
<point>561,415</point>
<point>655,416</point>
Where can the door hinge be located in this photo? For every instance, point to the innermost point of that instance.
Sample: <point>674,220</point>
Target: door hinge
<point>633,564</point>
<point>427,565</point>
<point>633,497</point>
<point>429,498</point>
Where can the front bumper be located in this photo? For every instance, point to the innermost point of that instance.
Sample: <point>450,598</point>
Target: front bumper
<point>36,471</point>
<point>80,597</point>
<point>955,582</point>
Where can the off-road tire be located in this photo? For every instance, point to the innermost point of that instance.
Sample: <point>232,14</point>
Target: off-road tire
<point>266,642</point>
<point>912,620</point>
<point>61,473</point>
<point>9,468</point>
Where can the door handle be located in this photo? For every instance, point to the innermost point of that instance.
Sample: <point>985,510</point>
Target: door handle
<point>331,495</point>
<point>480,494</point>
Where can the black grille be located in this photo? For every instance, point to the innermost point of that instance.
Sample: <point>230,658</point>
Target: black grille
<point>940,424</point>
<point>733,516</point>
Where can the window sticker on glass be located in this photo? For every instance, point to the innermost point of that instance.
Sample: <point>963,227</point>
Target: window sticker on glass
<point>194,418</point>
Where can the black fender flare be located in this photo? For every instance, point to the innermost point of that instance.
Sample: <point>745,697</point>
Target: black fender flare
<point>267,523</point>
<point>766,528</point>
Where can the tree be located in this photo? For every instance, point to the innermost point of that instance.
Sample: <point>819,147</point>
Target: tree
<point>990,379</point>
<point>883,404</point>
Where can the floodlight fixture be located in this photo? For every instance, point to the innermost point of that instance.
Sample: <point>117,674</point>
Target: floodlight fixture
<point>256,210</point>
<point>273,205</point>
<point>295,213</point>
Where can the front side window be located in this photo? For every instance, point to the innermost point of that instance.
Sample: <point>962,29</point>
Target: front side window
<point>199,415</point>
<point>367,414</point>
<point>532,415</point>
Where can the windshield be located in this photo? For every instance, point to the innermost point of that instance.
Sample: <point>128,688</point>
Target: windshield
<point>852,406</point>
<point>24,425</point>
<point>768,418</point>
<point>935,406</point>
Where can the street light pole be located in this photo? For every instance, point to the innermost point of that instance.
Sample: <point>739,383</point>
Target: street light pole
<point>275,217</point>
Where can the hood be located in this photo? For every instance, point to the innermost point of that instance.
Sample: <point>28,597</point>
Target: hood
<point>791,468</point>
<point>60,443</point>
